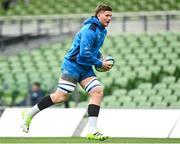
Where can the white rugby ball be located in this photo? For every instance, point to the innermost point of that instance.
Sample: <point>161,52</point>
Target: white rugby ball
<point>111,61</point>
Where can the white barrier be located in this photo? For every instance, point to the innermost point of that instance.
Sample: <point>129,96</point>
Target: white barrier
<point>58,122</point>
<point>53,122</point>
<point>138,123</point>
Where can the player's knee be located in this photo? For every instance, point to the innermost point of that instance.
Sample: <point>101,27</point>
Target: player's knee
<point>94,86</point>
<point>58,97</point>
<point>64,89</point>
<point>97,92</point>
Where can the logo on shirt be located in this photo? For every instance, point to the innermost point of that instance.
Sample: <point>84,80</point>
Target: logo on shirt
<point>86,48</point>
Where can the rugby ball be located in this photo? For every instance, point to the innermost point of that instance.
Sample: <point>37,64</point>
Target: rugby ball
<point>111,61</point>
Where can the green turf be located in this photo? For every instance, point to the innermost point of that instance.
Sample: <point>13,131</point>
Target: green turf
<point>77,140</point>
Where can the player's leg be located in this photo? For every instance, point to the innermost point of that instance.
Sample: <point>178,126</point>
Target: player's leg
<point>61,95</point>
<point>66,85</point>
<point>95,90</point>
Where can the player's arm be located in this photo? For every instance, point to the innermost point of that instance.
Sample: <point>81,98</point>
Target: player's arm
<point>88,39</point>
<point>99,55</point>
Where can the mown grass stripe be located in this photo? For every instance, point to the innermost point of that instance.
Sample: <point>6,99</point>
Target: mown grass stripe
<point>89,143</point>
<point>74,140</point>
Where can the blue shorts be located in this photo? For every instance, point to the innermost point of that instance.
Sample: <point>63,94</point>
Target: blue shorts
<point>73,72</point>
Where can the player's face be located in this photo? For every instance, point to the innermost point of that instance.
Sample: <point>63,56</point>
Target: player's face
<point>105,17</point>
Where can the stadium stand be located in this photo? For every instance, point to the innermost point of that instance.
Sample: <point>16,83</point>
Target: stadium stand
<point>146,71</point>
<point>46,7</point>
<point>142,87</point>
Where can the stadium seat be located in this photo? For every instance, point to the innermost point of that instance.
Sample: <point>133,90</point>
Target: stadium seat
<point>7,98</point>
<point>164,92</point>
<point>174,104</point>
<point>170,99</point>
<point>174,86</point>
<point>145,86</point>
<point>160,86</point>
<point>21,96</point>
<point>147,62</point>
<point>144,104</point>
<point>170,69</point>
<point>149,92</point>
<point>113,104</point>
<point>129,104</point>
<point>144,75</point>
<point>154,69</point>
<point>176,63</point>
<point>134,93</point>
<point>110,98</point>
<point>125,99</point>
<point>177,92</point>
<point>158,104</point>
<point>121,82</point>
<point>120,92</point>
<point>155,99</point>
<point>163,63</point>
<point>168,80</point>
<point>171,55</point>
<point>140,99</point>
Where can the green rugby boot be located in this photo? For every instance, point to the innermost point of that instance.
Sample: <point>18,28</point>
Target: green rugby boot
<point>26,120</point>
<point>96,136</point>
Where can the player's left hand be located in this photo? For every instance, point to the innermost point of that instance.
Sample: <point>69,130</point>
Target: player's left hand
<point>106,65</point>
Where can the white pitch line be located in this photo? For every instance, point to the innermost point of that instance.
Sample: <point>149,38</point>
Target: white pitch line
<point>90,143</point>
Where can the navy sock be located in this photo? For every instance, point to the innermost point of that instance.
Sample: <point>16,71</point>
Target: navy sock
<point>93,110</point>
<point>45,102</point>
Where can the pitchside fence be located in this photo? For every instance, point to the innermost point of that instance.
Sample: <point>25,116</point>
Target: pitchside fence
<point>59,122</point>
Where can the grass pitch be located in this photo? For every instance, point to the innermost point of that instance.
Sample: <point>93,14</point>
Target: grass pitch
<point>79,140</point>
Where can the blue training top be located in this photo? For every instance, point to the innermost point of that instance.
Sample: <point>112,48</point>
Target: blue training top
<point>86,44</point>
